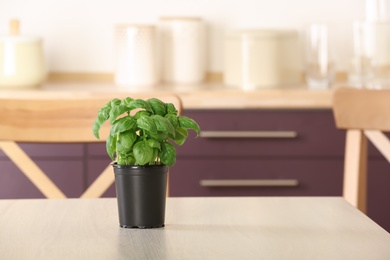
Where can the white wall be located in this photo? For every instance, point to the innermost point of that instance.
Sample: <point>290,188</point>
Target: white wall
<point>78,34</point>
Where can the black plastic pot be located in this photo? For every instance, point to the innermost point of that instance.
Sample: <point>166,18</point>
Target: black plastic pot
<point>141,195</point>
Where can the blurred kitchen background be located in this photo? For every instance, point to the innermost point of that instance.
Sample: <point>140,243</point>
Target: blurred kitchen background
<point>79,35</point>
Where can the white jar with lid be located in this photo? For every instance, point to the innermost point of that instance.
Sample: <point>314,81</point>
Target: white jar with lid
<point>262,58</point>
<point>136,55</point>
<point>183,49</point>
<point>22,62</point>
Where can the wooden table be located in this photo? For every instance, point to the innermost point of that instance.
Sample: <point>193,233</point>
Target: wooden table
<point>196,228</point>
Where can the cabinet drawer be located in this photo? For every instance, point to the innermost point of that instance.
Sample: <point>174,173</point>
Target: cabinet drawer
<point>288,177</point>
<point>273,133</point>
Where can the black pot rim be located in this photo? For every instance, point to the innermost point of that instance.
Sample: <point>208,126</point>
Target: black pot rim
<point>116,165</point>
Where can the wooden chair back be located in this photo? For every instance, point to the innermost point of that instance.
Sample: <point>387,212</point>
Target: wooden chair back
<point>365,115</point>
<point>57,119</point>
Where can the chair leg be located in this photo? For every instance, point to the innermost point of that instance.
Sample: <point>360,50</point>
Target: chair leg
<point>101,184</point>
<point>31,170</point>
<point>355,169</point>
<point>380,141</point>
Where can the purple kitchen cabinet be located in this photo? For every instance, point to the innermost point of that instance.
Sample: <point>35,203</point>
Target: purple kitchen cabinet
<point>311,153</point>
<point>95,165</point>
<point>63,164</point>
<point>97,162</point>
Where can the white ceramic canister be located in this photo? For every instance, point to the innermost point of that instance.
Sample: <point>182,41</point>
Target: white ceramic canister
<point>136,55</point>
<point>22,62</point>
<point>262,58</point>
<point>182,49</point>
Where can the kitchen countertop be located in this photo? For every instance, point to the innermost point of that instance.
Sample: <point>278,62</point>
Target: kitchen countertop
<point>202,96</point>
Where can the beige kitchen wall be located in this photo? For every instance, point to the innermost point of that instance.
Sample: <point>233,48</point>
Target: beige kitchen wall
<point>78,34</point>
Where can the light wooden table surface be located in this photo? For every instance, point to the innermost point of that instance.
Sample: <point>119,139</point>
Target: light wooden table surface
<point>196,228</point>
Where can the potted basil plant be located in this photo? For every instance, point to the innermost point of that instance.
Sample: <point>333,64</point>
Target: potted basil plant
<point>141,145</point>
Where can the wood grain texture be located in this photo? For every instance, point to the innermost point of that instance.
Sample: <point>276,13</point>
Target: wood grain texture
<point>361,112</point>
<point>362,109</point>
<point>355,169</point>
<point>196,228</point>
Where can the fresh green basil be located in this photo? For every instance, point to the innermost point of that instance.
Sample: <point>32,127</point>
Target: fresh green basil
<point>142,131</point>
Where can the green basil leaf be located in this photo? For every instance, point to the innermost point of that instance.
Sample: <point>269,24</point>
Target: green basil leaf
<point>173,119</point>
<point>188,123</point>
<point>96,127</point>
<point>139,103</point>
<point>115,102</point>
<point>154,144</point>
<point>168,154</point>
<point>163,124</point>
<point>141,113</point>
<point>147,123</point>
<point>120,148</point>
<point>117,111</point>
<point>159,107</point>
<point>104,112</point>
<point>153,161</point>
<point>125,158</point>
<point>126,101</point>
<point>180,137</point>
<point>103,115</point>
<point>159,136</point>
<point>127,139</point>
<point>123,124</point>
<point>171,109</point>
<point>143,153</point>
<point>111,146</point>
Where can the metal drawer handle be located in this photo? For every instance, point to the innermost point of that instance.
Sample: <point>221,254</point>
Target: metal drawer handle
<point>249,134</point>
<point>249,183</point>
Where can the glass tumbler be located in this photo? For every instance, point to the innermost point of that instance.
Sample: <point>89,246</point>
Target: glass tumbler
<point>319,64</point>
<point>361,68</point>
<point>370,63</point>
